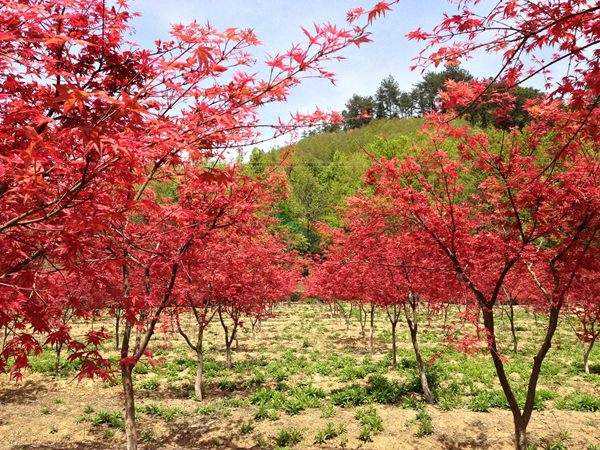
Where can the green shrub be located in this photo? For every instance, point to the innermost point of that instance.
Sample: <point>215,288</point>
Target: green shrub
<point>579,401</point>
<point>150,384</point>
<point>112,419</point>
<point>424,421</point>
<point>381,390</point>
<point>328,411</point>
<point>264,412</point>
<point>370,423</point>
<point>288,437</point>
<point>167,413</point>
<point>331,431</point>
<point>353,395</point>
<point>247,428</point>
<point>485,400</point>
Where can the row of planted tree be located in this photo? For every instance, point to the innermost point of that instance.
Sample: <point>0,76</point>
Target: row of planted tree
<point>116,197</point>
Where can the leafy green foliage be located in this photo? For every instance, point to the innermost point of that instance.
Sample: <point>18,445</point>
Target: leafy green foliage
<point>425,425</point>
<point>579,401</point>
<point>331,431</point>
<point>370,423</point>
<point>287,437</point>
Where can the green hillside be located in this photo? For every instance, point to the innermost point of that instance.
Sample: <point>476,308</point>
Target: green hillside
<point>325,168</point>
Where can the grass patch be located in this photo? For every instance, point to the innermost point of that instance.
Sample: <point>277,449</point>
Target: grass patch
<point>331,431</point>
<point>579,401</point>
<point>425,426</point>
<point>167,413</point>
<point>370,422</point>
<point>288,437</point>
<point>112,419</point>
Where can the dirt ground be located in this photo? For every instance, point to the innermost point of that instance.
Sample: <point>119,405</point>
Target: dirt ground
<point>48,412</point>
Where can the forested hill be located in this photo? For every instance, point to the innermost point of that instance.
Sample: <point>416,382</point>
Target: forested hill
<point>325,168</point>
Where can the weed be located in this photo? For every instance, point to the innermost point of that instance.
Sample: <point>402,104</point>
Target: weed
<point>370,423</point>
<point>268,397</point>
<point>424,421</point>
<point>247,428</point>
<point>264,412</point>
<point>147,436</point>
<point>331,431</point>
<point>112,419</point>
<point>328,411</point>
<point>167,413</point>
<point>353,395</point>
<point>288,437</point>
<point>150,384</point>
<point>579,401</point>
<point>483,401</point>
<point>381,390</point>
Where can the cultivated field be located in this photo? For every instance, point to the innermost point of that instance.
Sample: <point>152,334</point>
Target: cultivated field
<point>307,379</point>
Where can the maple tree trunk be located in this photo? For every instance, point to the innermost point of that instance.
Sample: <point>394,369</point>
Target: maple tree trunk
<point>511,318</point>
<point>413,327</point>
<point>587,352</point>
<point>520,418</point>
<point>130,425</point>
<point>117,326</point>
<point>362,318</point>
<point>127,382</point>
<point>446,316</point>
<point>372,330</point>
<point>394,350</point>
<point>57,364</point>
<point>394,316</point>
<point>228,338</point>
<point>346,317</point>
<point>199,383</point>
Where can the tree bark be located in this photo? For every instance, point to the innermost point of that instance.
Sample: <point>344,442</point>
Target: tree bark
<point>520,418</point>
<point>393,317</point>
<point>59,347</point>
<point>130,425</point>
<point>411,320</point>
<point>199,383</point>
<point>587,352</point>
<point>127,382</point>
<point>117,326</point>
<point>362,318</point>
<point>511,318</point>
<point>229,338</point>
<point>372,330</point>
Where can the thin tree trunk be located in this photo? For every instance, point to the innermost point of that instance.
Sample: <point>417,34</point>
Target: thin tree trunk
<point>130,425</point>
<point>520,418</point>
<point>229,338</point>
<point>394,322</point>
<point>413,327</point>
<point>199,383</point>
<point>394,349</point>
<point>362,318</point>
<point>126,374</point>
<point>59,347</point>
<point>127,382</point>
<point>372,330</point>
<point>117,326</point>
<point>587,352</point>
<point>511,318</point>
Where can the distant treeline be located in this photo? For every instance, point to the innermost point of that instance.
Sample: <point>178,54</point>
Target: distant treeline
<point>390,101</point>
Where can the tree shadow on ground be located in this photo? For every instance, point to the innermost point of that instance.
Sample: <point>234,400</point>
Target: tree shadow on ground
<point>22,393</point>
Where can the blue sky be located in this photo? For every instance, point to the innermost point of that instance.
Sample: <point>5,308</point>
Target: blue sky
<point>277,24</point>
